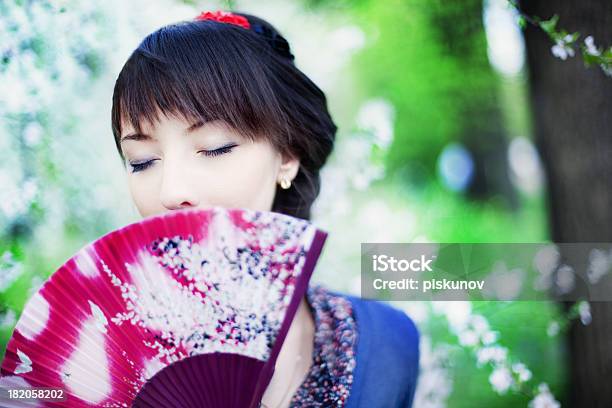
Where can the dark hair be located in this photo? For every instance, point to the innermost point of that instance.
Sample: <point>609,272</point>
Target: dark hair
<point>208,70</point>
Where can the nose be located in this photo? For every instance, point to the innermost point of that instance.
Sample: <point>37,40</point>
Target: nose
<point>177,190</point>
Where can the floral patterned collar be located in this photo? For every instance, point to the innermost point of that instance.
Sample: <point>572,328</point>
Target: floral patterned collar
<point>330,378</point>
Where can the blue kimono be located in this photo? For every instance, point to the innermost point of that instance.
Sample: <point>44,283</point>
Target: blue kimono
<point>387,356</point>
<point>366,354</point>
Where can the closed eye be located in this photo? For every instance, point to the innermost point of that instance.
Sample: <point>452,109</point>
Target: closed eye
<point>219,151</point>
<point>136,167</point>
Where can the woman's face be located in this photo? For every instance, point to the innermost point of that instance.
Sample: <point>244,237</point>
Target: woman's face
<point>175,164</point>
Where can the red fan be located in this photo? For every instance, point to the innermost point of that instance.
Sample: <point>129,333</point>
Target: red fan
<point>185,309</point>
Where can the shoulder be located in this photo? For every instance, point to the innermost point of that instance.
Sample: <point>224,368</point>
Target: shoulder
<point>386,325</point>
<point>387,354</point>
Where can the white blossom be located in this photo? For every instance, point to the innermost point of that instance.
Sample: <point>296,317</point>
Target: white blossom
<point>545,262</point>
<point>562,49</point>
<point>584,309</point>
<point>565,279</point>
<point>8,319</point>
<point>377,116</point>
<point>496,354</point>
<point>10,270</point>
<point>480,324</point>
<point>435,382</point>
<point>489,337</point>
<point>32,134</point>
<point>457,313</point>
<point>590,46</point>
<point>524,374</point>
<point>600,264</point>
<point>348,38</point>
<point>501,379</point>
<point>544,398</point>
<point>553,328</point>
<point>468,338</point>
<point>504,283</point>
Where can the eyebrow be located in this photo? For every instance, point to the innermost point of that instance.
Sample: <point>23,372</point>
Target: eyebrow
<point>135,136</point>
<point>143,136</point>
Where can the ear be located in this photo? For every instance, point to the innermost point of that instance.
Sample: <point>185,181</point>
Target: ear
<point>289,168</point>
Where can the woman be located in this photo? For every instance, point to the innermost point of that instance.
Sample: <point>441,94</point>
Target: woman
<point>214,112</point>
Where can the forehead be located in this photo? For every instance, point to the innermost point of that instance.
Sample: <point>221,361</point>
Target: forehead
<point>149,124</point>
<point>169,125</point>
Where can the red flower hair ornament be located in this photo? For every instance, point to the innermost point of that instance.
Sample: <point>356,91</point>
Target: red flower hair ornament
<point>224,17</point>
<point>276,41</point>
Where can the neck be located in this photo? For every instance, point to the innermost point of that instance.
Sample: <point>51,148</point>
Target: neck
<point>294,359</point>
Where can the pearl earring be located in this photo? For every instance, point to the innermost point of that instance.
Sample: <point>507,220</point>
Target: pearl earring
<point>285,183</point>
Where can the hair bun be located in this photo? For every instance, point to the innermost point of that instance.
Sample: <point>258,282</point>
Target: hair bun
<point>277,41</point>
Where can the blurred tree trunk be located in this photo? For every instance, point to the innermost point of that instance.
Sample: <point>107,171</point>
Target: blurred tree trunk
<point>572,108</point>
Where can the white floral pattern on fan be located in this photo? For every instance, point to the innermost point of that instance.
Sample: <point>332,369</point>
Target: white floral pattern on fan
<point>199,315</point>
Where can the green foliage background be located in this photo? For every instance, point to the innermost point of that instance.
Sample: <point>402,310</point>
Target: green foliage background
<point>427,58</point>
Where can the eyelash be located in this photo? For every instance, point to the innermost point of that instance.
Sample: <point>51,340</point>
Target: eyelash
<point>136,167</point>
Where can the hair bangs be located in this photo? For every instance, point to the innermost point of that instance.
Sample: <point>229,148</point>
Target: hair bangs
<point>191,71</point>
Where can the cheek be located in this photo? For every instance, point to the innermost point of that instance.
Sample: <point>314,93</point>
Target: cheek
<point>248,180</point>
<point>145,194</point>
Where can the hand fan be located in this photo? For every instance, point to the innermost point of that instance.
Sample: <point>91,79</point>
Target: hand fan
<point>185,309</point>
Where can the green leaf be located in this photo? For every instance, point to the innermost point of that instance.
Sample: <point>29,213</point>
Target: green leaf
<point>522,22</point>
<point>575,36</point>
<point>589,59</point>
<point>549,25</point>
